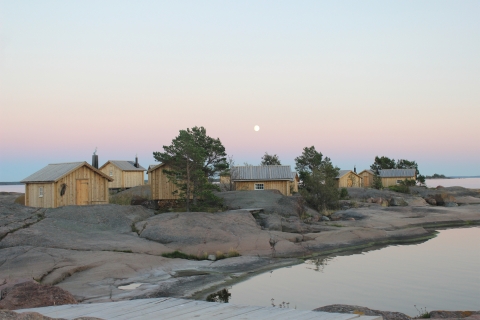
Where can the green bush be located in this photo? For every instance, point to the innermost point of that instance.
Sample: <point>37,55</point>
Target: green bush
<point>400,188</point>
<point>180,255</point>
<point>343,193</point>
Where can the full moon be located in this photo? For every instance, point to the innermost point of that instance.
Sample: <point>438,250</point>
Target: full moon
<point>256,128</point>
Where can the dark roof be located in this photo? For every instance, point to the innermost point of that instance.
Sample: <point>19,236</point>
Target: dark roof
<point>124,165</point>
<point>262,173</point>
<point>56,171</point>
<point>393,173</point>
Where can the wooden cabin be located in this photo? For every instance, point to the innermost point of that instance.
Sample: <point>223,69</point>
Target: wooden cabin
<point>367,178</point>
<point>279,178</point>
<point>149,174</point>
<point>348,179</point>
<point>391,177</point>
<point>162,188</point>
<point>64,184</point>
<point>125,174</point>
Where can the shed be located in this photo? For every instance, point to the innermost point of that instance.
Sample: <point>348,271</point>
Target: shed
<point>391,177</point>
<point>162,188</point>
<point>63,184</point>
<point>348,178</point>
<point>275,177</point>
<point>125,174</point>
<point>367,178</point>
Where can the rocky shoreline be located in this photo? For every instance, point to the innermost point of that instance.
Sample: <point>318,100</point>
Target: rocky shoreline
<point>92,251</point>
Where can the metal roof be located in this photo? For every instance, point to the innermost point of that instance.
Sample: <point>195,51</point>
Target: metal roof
<point>154,166</point>
<point>125,165</point>
<point>341,173</point>
<point>262,173</point>
<point>392,173</point>
<point>56,171</point>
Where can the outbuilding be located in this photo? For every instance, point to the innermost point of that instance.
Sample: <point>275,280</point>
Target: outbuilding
<point>162,188</point>
<point>367,178</point>
<point>63,184</point>
<point>391,177</point>
<point>348,179</point>
<point>276,177</point>
<point>125,174</point>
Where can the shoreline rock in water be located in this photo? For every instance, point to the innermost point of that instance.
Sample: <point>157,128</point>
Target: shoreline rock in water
<point>389,315</point>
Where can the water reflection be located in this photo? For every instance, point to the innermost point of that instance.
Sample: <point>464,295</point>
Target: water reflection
<point>319,263</point>
<point>439,274</point>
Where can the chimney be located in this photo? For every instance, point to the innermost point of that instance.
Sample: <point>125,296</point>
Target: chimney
<point>355,169</point>
<point>95,160</point>
<point>136,162</point>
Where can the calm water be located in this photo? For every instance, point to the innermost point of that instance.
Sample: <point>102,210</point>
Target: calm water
<point>13,188</point>
<point>440,274</point>
<point>473,183</point>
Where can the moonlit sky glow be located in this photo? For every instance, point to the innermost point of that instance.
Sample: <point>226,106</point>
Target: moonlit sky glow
<point>355,79</point>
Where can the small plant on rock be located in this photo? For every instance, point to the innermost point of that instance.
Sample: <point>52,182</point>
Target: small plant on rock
<point>422,312</point>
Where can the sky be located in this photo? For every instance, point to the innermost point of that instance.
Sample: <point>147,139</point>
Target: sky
<point>355,79</point>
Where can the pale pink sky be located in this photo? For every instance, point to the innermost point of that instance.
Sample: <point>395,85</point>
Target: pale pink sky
<point>355,80</point>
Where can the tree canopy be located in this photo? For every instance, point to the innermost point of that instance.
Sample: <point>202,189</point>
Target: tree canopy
<point>193,158</point>
<point>269,160</point>
<point>318,179</point>
<point>383,162</point>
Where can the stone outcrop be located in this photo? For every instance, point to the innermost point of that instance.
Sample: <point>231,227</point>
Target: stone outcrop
<point>343,308</point>
<point>30,294</point>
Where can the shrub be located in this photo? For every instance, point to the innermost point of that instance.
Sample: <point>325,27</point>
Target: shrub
<point>400,188</point>
<point>343,193</point>
<point>180,255</point>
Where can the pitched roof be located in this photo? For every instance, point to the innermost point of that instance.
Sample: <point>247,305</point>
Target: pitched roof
<point>155,166</point>
<point>262,173</point>
<point>369,171</point>
<point>124,165</point>
<point>392,173</point>
<point>294,175</point>
<point>341,173</point>
<point>56,171</point>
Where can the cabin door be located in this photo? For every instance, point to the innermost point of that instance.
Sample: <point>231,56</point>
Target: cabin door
<point>82,192</point>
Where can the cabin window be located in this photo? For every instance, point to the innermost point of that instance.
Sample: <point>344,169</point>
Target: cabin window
<point>259,186</point>
<point>111,173</point>
<point>399,181</point>
<point>40,192</point>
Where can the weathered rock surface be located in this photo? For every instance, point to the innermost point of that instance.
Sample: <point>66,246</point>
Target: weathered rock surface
<point>439,314</point>
<point>92,251</point>
<point>30,294</point>
<point>272,201</point>
<point>398,202</point>
<point>343,308</point>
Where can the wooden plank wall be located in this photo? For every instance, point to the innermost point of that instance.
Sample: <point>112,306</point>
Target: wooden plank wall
<point>162,188</point>
<point>32,198</point>
<point>367,179</point>
<point>281,185</point>
<point>393,181</point>
<point>344,182</point>
<point>98,187</point>
<point>117,175</point>
<point>133,178</point>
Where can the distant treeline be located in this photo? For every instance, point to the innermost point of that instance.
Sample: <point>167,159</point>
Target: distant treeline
<point>10,183</point>
<point>437,176</point>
